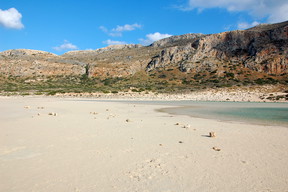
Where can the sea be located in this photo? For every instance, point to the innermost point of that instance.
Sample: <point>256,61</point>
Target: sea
<point>260,113</point>
<point>270,114</point>
<point>275,114</point>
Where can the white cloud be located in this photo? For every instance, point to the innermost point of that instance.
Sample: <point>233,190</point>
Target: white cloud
<point>113,34</point>
<point>117,32</point>
<point>104,29</point>
<point>111,42</point>
<point>11,18</point>
<point>150,38</point>
<point>127,27</point>
<point>281,14</point>
<point>274,10</point>
<point>65,46</point>
<point>157,36</point>
<point>245,25</point>
<point>228,27</point>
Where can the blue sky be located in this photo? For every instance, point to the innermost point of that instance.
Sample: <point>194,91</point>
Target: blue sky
<point>59,26</point>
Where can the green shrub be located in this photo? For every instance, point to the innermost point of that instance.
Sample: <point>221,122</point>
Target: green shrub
<point>38,93</point>
<point>141,89</point>
<point>106,91</point>
<point>228,74</point>
<point>213,72</point>
<point>52,93</point>
<point>25,94</point>
<point>107,81</point>
<point>162,76</point>
<point>215,81</point>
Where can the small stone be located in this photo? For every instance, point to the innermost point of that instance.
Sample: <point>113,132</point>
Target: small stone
<point>180,142</point>
<point>212,134</point>
<point>52,114</point>
<point>186,126</point>
<point>128,120</point>
<point>177,123</point>
<point>216,149</point>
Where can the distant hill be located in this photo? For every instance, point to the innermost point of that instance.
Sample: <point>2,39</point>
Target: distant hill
<point>256,55</point>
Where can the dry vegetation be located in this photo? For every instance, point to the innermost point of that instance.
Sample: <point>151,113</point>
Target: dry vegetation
<point>170,80</point>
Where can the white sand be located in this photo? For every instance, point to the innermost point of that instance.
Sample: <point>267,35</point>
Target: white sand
<point>77,150</point>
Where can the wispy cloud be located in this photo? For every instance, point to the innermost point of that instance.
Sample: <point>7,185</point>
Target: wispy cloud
<point>104,29</point>
<point>65,46</point>
<point>245,25</point>
<point>115,34</point>
<point>111,42</point>
<point>274,10</point>
<point>119,29</point>
<point>127,27</point>
<point>150,38</point>
<point>11,18</point>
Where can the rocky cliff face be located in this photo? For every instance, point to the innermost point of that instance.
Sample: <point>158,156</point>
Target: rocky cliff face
<point>28,63</point>
<point>115,60</point>
<point>263,49</point>
<point>111,61</point>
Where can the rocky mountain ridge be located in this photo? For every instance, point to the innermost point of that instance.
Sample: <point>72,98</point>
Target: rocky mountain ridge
<point>30,63</point>
<point>262,49</point>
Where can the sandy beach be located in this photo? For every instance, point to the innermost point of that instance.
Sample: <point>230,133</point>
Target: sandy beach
<point>84,145</point>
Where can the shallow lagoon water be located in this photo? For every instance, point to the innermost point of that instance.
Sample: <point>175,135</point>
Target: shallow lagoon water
<point>255,113</point>
<point>245,112</point>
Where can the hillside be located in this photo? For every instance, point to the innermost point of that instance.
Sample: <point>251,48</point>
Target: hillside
<point>258,55</point>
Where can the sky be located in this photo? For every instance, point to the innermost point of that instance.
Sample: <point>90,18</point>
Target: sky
<point>59,26</point>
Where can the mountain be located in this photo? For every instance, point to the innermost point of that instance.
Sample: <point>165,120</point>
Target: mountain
<point>263,49</point>
<point>29,63</point>
<point>258,54</point>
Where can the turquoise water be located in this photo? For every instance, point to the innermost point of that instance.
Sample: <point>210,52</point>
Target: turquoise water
<point>246,112</point>
<point>255,113</point>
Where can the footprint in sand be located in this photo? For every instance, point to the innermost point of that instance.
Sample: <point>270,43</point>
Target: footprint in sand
<point>148,170</point>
